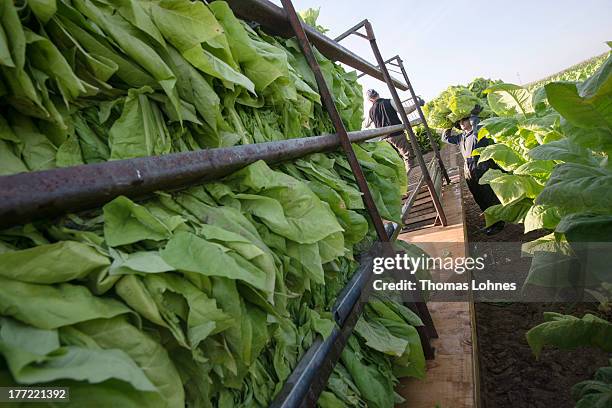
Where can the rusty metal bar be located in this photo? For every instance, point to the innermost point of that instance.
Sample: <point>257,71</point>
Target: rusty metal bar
<point>330,106</point>
<point>361,35</point>
<point>408,127</point>
<point>273,19</point>
<point>309,378</point>
<point>432,141</point>
<point>42,194</point>
<point>350,31</point>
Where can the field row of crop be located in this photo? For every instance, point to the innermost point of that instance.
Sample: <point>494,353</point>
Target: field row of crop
<point>577,72</point>
<point>552,143</point>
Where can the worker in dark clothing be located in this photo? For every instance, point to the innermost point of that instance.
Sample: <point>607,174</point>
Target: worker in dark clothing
<point>384,113</point>
<point>474,169</point>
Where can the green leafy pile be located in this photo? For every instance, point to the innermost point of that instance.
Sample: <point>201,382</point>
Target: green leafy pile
<point>457,102</point>
<point>310,17</point>
<point>217,290</point>
<point>207,297</point>
<point>423,138</point>
<point>85,81</point>
<point>386,346</point>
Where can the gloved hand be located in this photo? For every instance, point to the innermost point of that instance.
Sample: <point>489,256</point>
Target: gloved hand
<point>477,109</point>
<point>474,120</point>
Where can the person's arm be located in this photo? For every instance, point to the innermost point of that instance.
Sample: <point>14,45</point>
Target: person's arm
<point>448,137</point>
<point>475,121</point>
<point>407,109</point>
<point>413,107</point>
<point>370,117</point>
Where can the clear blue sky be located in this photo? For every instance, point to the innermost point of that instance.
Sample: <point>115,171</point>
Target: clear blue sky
<point>446,42</point>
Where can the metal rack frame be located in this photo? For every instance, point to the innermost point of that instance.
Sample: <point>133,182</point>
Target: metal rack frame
<point>30,196</point>
<point>310,376</point>
<point>330,106</point>
<point>397,62</point>
<point>273,20</point>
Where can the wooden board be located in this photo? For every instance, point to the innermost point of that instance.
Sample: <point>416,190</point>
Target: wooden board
<point>423,200</point>
<point>419,225</point>
<point>414,219</point>
<point>451,379</point>
<point>421,211</point>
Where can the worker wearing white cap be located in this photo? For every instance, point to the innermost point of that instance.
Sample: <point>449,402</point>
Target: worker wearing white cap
<point>384,113</point>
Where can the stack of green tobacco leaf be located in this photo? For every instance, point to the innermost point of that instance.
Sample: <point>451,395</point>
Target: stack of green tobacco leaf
<point>85,81</point>
<point>207,297</point>
<point>458,102</point>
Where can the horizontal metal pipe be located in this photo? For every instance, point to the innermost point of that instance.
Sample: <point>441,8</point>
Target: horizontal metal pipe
<point>273,20</point>
<point>26,197</point>
<point>351,293</point>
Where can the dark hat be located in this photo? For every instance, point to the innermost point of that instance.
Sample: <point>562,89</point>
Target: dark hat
<point>371,93</point>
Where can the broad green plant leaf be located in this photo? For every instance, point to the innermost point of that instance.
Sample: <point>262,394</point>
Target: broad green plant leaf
<point>149,354</point>
<point>50,307</point>
<point>509,99</point>
<point>514,212</point>
<point>53,263</point>
<point>35,356</point>
<point>503,155</point>
<point>580,188</point>
<point>43,9</point>
<point>587,105</point>
<point>190,253</point>
<point>127,222</point>
<point>568,332</point>
<point>511,188</point>
<point>563,150</point>
<point>185,24</point>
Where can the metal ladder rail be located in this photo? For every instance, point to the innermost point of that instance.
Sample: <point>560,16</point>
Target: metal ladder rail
<point>399,63</point>
<point>309,378</point>
<point>393,90</point>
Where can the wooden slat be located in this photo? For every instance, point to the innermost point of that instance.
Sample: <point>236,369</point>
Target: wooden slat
<point>421,218</point>
<point>422,211</point>
<point>418,226</point>
<point>423,201</point>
